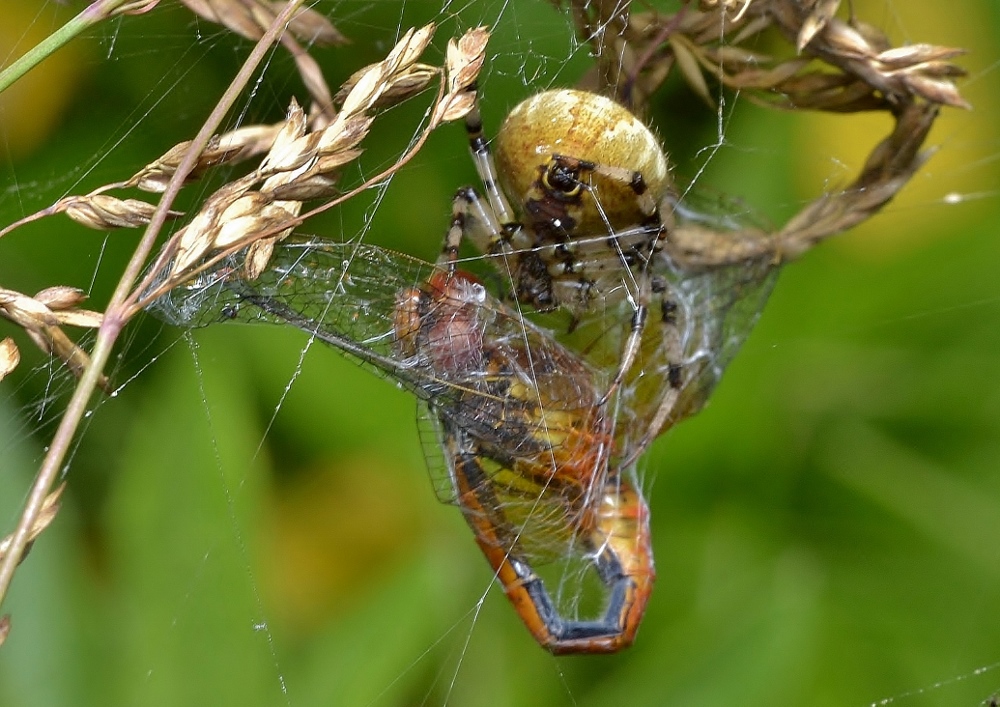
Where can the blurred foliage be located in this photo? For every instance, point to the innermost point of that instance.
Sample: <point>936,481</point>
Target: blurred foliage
<point>245,525</point>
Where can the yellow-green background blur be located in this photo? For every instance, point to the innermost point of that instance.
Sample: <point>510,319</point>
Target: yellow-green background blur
<point>826,532</point>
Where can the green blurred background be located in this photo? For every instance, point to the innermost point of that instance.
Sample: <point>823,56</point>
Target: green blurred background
<point>825,532</point>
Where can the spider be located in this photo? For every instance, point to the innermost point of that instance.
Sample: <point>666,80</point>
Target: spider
<point>590,183</point>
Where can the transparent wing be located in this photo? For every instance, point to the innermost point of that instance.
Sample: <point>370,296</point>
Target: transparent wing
<point>529,515</point>
<point>343,293</point>
<point>697,322</point>
<point>521,403</point>
<point>717,306</point>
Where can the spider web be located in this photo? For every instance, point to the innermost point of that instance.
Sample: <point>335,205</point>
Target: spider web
<point>248,519</point>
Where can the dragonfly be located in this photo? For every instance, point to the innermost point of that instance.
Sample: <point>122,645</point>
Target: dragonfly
<point>538,459</point>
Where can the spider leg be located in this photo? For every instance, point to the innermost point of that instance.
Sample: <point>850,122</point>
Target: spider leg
<point>470,220</point>
<point>635,180</point>
<point>622,556</point>
<point>487,170</point>
<point>633,343</point>
<point>504,235</point>
<point>638,285</point>
<point>668,367</point>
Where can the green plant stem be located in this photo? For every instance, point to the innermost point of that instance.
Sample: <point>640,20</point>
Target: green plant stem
<point>116,312</point>
<point>94,13</point>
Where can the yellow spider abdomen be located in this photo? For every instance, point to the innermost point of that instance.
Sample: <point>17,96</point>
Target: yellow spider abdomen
<point>590,128</point>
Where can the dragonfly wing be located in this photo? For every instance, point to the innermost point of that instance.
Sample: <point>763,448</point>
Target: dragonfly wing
<point>696,323</point>
<point>343,294</point>
<point>526,403</point>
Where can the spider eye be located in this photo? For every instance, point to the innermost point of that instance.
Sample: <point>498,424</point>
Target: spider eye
<point>560,179</point>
